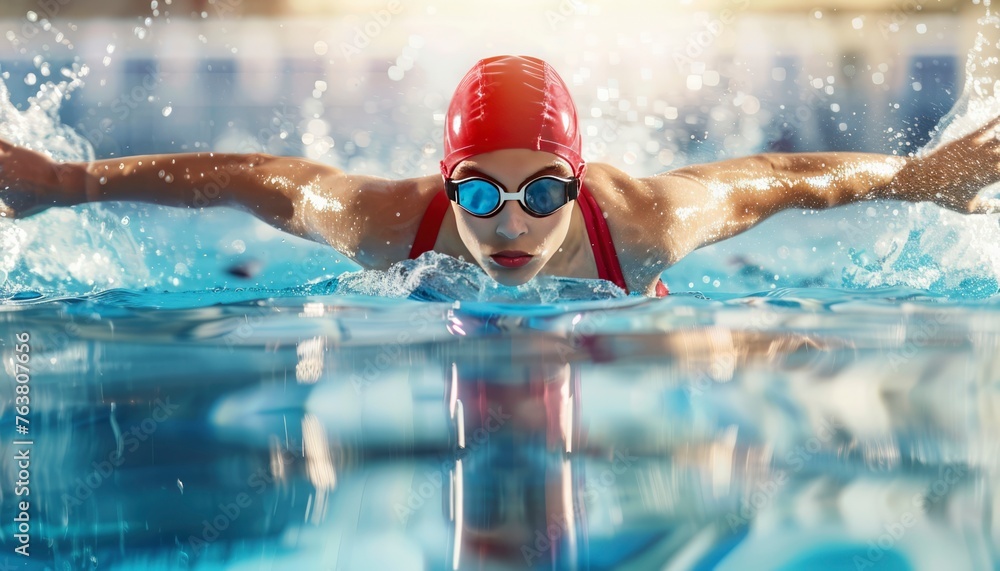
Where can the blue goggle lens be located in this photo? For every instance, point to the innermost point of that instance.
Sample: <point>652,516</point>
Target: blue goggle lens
<point>545,195</point>
<point>479,197</point>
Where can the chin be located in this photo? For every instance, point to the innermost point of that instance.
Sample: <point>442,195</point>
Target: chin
<point>512,278</point>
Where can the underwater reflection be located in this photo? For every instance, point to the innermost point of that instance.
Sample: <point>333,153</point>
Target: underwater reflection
<point>497,441</point>
<point>528,489</point>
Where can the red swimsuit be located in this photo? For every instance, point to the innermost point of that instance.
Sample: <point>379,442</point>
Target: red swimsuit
<point>608,267</point>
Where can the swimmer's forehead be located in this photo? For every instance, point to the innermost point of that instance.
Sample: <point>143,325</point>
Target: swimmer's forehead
<point>471,167</point>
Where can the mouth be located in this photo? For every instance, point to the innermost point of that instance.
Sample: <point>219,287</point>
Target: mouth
<point>511,258</point>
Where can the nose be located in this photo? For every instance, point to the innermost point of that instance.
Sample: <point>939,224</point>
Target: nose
<point>512,221</point>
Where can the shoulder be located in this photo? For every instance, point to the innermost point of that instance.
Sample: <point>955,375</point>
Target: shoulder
<point>621,193</point>
<point>374,220</point>
<point>639,213</point>
<point>391,212</point>
<point>378,200</point>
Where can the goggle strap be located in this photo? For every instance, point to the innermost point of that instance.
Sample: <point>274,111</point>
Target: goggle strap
<point>573,190</point>
<point>451,189</point>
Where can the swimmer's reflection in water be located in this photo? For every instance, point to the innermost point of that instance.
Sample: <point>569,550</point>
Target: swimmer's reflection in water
<point>526,483</point>
<point>512,135</point>
<point>512,496</point>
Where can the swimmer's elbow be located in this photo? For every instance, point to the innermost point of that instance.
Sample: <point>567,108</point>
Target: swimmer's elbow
<point>771,183</point>
<point>283,170</point>
<point>807,180</point>
<point>259,160</point>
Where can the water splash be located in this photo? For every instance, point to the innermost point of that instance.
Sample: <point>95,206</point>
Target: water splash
<point>937,251</point>
<point>38,127</point>
<point>980,99</point>
<point>437,277</point>
<point>89,252</point>
<point>60,249</point>
<point>934,249</point>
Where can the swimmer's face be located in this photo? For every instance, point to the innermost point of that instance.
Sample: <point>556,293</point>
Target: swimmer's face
<point>512,230</point>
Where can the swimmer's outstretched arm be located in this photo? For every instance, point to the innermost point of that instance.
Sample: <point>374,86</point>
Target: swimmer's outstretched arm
<point>308,199</point>
<point>715,201</point>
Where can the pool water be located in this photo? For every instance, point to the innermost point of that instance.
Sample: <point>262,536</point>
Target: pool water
<point>792,429</point>
<point>204,392</point>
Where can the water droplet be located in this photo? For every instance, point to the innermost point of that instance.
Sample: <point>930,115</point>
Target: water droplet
<point>169,178</point>
<point>140,32</point>
<point>30,79</point>
<point>31,16</point>
<point>103,180</point>
<point>125,221</point>
<point>167,111</point>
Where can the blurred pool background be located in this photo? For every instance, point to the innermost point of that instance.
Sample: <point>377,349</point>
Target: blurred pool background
<point>208,393</point>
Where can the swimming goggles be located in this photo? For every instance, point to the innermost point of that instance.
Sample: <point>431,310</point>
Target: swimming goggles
<point>539,197</point>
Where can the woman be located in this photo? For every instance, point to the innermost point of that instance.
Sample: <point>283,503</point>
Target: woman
<point>511,134</point>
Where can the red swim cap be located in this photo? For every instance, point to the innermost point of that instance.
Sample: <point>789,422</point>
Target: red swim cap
<point>511,102</point>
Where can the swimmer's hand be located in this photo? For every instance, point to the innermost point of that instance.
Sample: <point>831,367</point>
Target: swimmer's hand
<point>952,175</point>
<point>30,182</point>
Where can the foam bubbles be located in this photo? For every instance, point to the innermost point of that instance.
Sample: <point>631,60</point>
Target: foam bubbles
<point>935,250</point>
<point>436,277</point>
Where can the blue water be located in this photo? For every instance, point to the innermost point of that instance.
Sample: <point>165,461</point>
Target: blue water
<point>208,393</point>
<point>781,430</point>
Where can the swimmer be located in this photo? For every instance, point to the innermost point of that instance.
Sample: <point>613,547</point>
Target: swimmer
<point>512,136</point>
